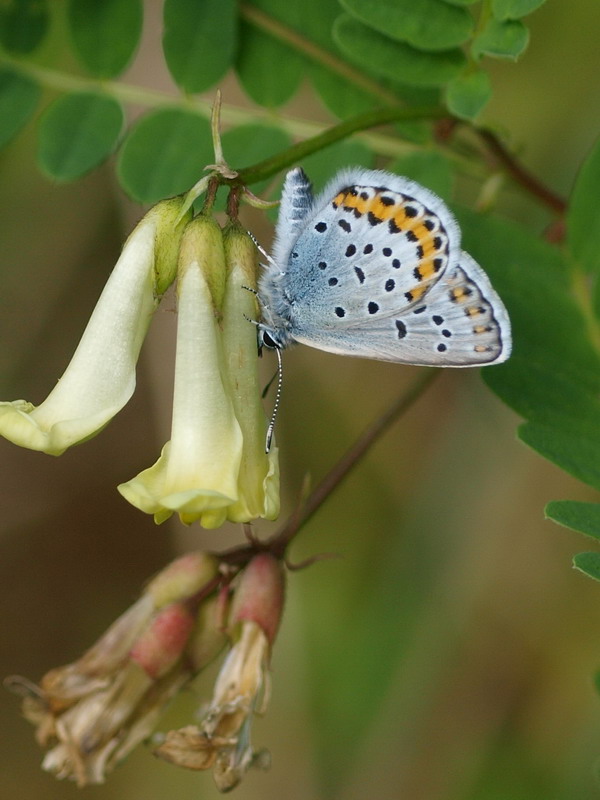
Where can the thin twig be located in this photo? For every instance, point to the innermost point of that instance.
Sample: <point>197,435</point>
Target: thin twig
<point>521,175</point>
<point>351,458</point>
<point>369,119</point>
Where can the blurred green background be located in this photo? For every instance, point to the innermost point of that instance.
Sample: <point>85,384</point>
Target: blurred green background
<point>449,653</point>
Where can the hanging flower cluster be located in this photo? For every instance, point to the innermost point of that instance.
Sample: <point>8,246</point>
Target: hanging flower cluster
<point>214,467</point>
<point>90,714</point>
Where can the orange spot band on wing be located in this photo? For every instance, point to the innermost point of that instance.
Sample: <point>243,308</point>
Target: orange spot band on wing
<point>415,293</point>
<point>426,269</point>
<point>357,202</point>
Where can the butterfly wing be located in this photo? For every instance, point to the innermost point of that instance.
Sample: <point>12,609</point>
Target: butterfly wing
<point>370,245</point>
<point>295,206</point>
<point>373,267</point>
<point>460,322</point>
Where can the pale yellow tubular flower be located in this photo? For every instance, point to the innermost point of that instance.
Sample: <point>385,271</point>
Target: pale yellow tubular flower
<point>258,481</point>
<point>197,472</point>
<point>100,378</point>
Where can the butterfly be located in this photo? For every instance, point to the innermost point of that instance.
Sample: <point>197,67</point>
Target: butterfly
<point>373,267</point>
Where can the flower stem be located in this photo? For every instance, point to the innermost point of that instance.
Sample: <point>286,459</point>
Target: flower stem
<point>350,459</point>
<point>369,119</point>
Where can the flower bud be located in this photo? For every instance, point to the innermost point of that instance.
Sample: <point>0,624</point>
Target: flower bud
<point>208,637</point>
<point>259,596</point>
<point>202,246</point>
<point>163,642</point>
<point>258,479</point>
<point>183,578</point>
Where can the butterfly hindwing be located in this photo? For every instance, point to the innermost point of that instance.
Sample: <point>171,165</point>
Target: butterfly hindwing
<point>461,322</point>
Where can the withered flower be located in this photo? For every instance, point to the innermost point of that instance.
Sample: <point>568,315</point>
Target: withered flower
<point>221,741</point>
<point>90,714</point>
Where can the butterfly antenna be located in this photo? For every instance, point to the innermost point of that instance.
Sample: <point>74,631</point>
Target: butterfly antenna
<point>260,249</point>
<point>271,427</point>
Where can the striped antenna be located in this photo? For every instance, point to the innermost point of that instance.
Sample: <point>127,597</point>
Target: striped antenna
<point>271,427</point>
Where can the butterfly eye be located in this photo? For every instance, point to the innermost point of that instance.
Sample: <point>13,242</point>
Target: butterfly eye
<point>268,341</point>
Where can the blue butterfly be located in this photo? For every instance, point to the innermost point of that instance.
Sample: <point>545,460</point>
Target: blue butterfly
<point>373,267</point>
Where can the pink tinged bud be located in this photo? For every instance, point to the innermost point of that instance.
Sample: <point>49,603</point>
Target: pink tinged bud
<point>182,579</point>
<point>260,594</point>
<point>162,644</point>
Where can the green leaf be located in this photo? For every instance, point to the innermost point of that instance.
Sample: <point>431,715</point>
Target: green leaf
<point>539,393</point>
<point>583,214</point>
<point>426,25</point>
<point>461,2</point>
<point>501,40</point>
<point>23,25</point>
<point>105,34</point>
<point>248,144</point>
<point>19,97</point>
<point>199,41</point>
<point>468,94</point>
<point>427,167</point>
<point>577,454</point>
<point>257,53</point>
<point>583,517</point>
<point>386,57</point>
<point>164,154</point>
<point>339,95</point>
<point>553,376</point>
<point>514,9</point>
<point>589,563</point>
<point>516,260</point>
<point>77,132</point>
<point>313,20</point>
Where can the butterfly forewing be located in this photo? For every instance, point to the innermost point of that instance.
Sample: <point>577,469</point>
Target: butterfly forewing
<point>368,251</point>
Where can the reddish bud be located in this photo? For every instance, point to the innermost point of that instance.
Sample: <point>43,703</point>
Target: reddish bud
<point>162,643</point>
<point>260,594</point>
<point>183,578</point>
